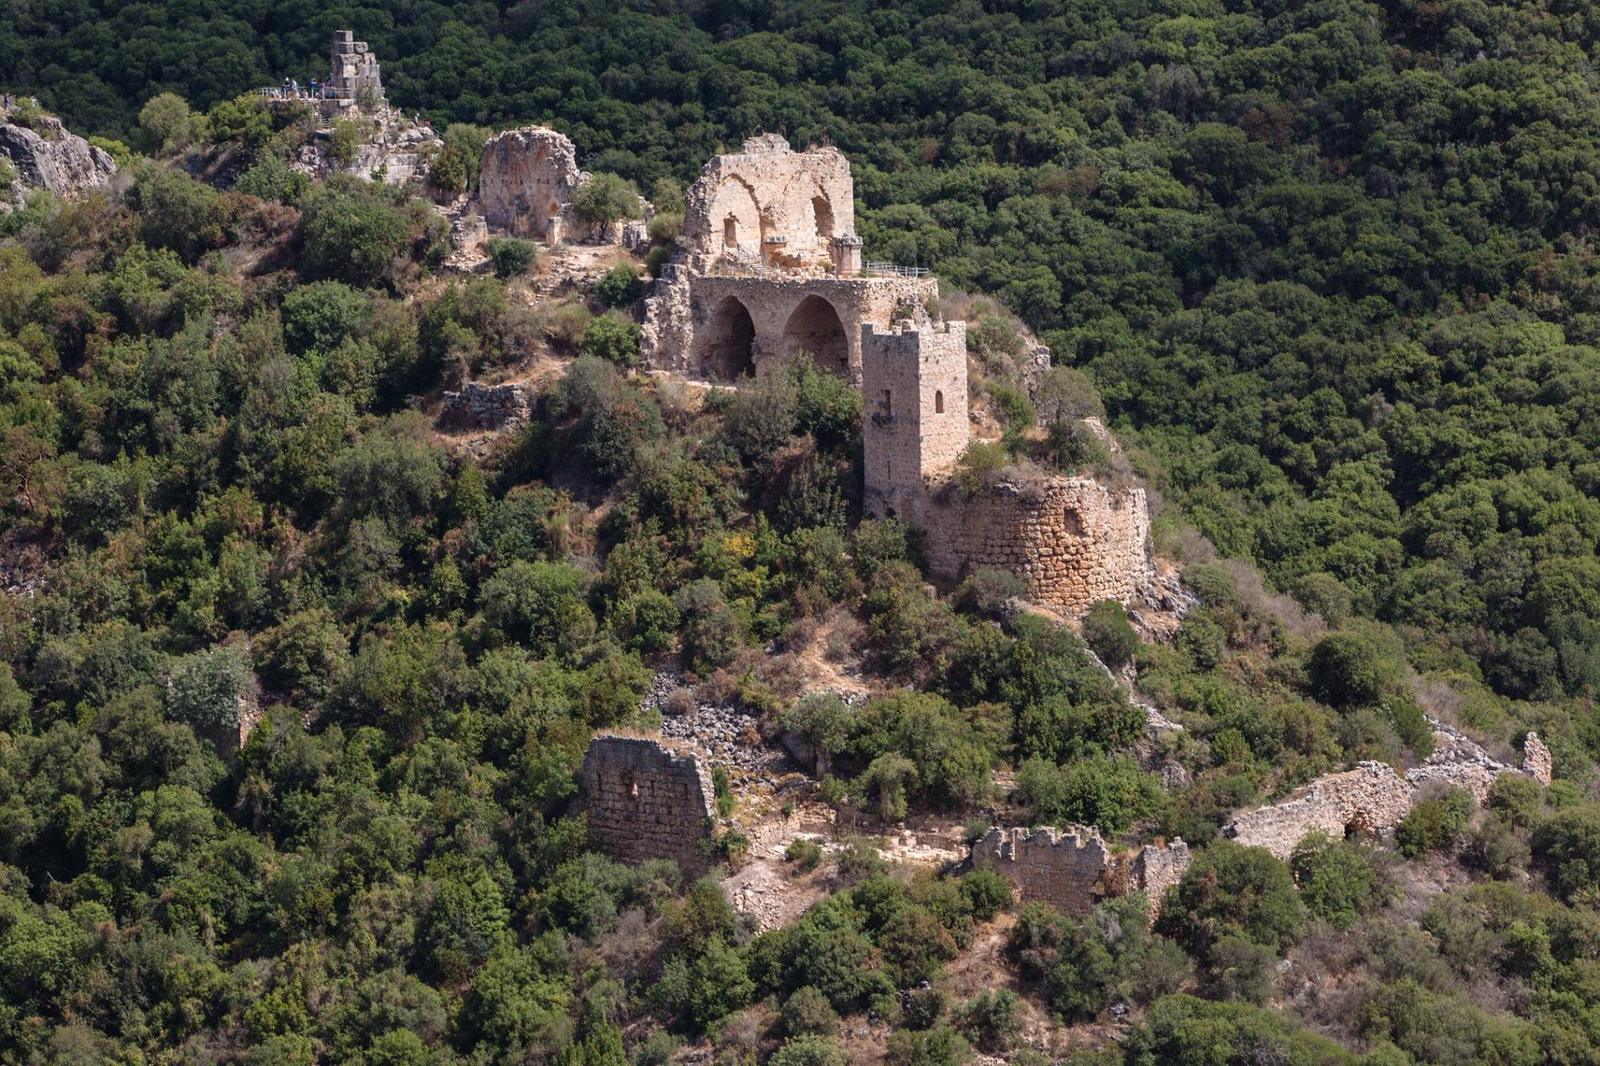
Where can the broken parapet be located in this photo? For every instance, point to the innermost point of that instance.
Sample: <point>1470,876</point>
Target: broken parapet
<point>1074,869</point>
<point>645,801</point>
<point>486,406</point>
<point>1373,797</point>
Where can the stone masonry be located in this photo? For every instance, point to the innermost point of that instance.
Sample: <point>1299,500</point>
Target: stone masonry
<point>769,266</point>
<point>645,801</point>
<point>1074,869</point>
<point>486,406</point>
<point>914,393</point>
<point>526,183</point>
<point>1372,798</point>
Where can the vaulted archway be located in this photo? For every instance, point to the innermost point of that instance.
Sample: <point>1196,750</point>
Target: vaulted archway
<point>728,351</point>
<point>815,327</point>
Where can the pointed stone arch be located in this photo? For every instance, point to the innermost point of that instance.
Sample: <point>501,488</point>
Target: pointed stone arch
<point>815,326</point>
<point>727,351</point>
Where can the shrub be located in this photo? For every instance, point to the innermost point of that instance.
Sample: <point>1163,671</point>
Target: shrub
<point>809,1051</point>
<point>511,257</point>
<point>1517,799</point>
<point>1072,446</point>
<point>805,854</point>
<point>205,689</point>
<point>166,124</point>
<point>349,231</point>
<point>992,1021</point>
<point>605,198</point>
<point>711,636</point>
<point>938,1046</point>
<point>978,465</point>
<point>1012,404</point>
<point>1108,632</point>
<point>1338,882</point>
<point>1110,793</point>
<point>1568,848</point>
<point>614,338</point>
<point>987,591</point>
<point>807,1012</point>
<point>273,179</point>
<point>1232,890</point>
<point>1433,824</point>
<point>620,286</point>
<point>1202,640</point>
<point>1347,670</point>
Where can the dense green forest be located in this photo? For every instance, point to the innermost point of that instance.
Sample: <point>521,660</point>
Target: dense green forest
<point>1329,268</point>
<point>1331,260</point>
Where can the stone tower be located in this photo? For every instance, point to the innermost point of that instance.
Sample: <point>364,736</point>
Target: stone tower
<point>914,391</point>
<point>355,70</point>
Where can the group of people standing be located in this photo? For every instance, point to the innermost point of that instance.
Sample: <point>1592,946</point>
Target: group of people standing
<point>313,89</point>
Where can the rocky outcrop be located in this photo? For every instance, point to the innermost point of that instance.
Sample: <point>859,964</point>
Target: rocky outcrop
<point>45,155</point>
<point>1074,869</point>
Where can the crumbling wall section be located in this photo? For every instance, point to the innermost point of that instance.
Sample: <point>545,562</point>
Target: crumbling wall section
<point>1074,869</point>
<point>1072,540</point>
<point>646,801</point>
<point>486,406</point>
<point>768,201</point>
<point>1372,798</point>
<point>527,180</point>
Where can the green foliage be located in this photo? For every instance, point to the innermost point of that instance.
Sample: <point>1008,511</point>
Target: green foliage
<point>1234,891</point>
<point>350,232</point>
<point>1106,629</point>
<point>1434,823</point>
<point>270,178</point>
<point>511,257</point>
<point>619,287</point>
<point>605,198</point>
<point>208,688</point>
<point>807,1012</point>
<point>614,338</point>
<point>166,124</point>
<point>1108,793</point>
<point>1338,881</point>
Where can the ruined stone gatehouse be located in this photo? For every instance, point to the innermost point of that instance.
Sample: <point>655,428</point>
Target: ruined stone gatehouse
<point>1074,869</point>
<point>769,266</point>
<point>646,801</point>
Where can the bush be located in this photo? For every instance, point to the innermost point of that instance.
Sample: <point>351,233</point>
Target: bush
<point>807,1012</point>
<point>1072,446</point>
<point>987,591</point>
<point>166,124</point>
<point>273,179</point>
<point>1232,890</point>
<point>992,1021</point>
<point>605,198</point>
<point>349,231</point>
<point>939,1046</point>
<point>1108,632</point>
<point>1347,670</point>
<point>1568,848</point>
<point>614,338</point>
<point>1338,882</point>
<point>511,257</point>
<point>980,462</point>
<point>1433,824</point>
<point>620,286</point>
<point>711,633</point>
<point>805,854</point>
<point>1110,793</point>
<point>809,1051</point>
<point>206,688</point>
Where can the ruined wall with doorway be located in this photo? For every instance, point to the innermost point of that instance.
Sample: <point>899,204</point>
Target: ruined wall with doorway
<point>647,801</point>
<point>1074,869</point>
<point>526,182</point>
<point>769,202</point>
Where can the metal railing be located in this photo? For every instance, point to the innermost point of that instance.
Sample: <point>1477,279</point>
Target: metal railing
<point>878,266</point>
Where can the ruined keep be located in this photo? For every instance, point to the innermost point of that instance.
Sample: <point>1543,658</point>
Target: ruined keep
<point>769,266</point>
<point>1074,869</point>
<point>645,801</point>
<point>526,183</point>
<point>1072,540</point>
<point>1372,798</point>
<point>353,78</point>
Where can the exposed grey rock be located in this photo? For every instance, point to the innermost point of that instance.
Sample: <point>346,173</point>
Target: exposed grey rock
<point>45,155</point>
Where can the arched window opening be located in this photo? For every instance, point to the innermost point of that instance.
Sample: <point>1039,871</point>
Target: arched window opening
<point>938,401</point>
<point>730,233</point>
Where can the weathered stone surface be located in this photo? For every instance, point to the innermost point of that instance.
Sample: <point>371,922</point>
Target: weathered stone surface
<point>1373,798</point>
<point>914,388</point>
<point>46,156</point>
<point>526,182</point>
<point>486,406</point>
<point>645,801</point>
<point>1073,869</point>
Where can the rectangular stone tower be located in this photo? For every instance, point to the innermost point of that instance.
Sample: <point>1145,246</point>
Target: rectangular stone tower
<point>914,388</point>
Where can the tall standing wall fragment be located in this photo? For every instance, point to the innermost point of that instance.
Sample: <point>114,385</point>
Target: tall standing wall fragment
<point>1074,869</point>
<point>647,802</point>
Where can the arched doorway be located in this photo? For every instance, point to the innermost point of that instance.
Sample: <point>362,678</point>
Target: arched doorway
<point>728,351</point>
<point>815,327</point>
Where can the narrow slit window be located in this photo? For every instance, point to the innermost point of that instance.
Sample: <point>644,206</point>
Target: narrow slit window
<point>888,404</point>
<point>938,401</point>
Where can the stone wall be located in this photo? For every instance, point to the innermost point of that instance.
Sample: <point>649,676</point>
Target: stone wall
<point>645,801</point>
<point>1074,869</point>
<point>1072,540</point>
<point>721,326</point>
<point>770,203</point>
<point>486,406</point>
<point>1373,797</point>
<point>526,182</point>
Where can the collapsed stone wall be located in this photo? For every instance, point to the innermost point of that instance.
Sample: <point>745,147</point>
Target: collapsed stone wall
<point>645,801</point>
<point>1372,798</point>
<point>526,182</point>
<point>1074,869</point>
<point>486,406</point>
<point>1072,540</point>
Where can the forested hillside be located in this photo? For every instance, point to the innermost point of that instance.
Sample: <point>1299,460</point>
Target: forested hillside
<point>1329,268</point>
<point>1332,260</point>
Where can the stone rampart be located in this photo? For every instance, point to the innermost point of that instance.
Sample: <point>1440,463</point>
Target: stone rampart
<point>1072,540</point>
<point>645,801</point>
<point>1074,869</point>
<point>1372,798</point>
